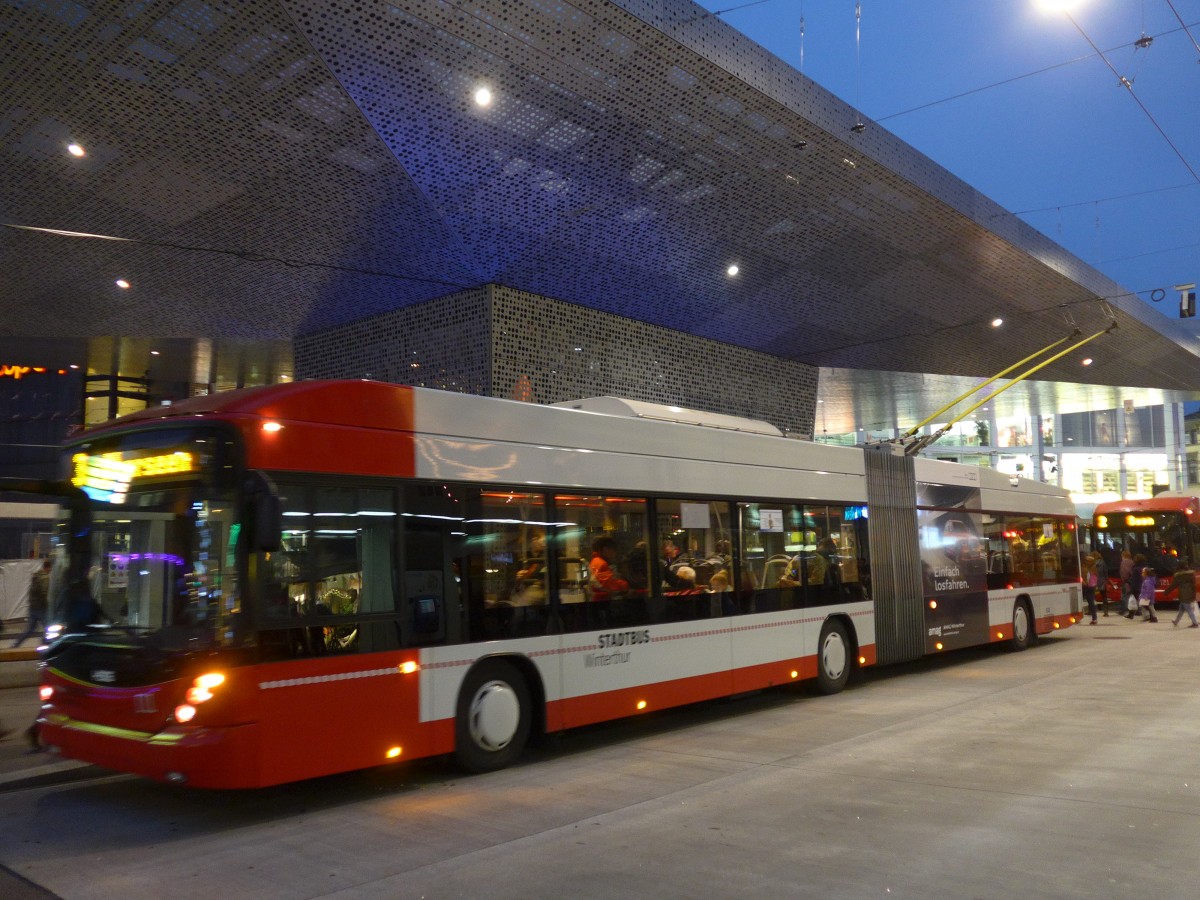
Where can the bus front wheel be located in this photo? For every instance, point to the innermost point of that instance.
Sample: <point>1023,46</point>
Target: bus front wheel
<point>494,716</point>
<point>1024,632</point>
<point>833,658</point>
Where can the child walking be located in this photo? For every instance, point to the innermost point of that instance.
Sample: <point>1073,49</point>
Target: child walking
<point>1146,595</point>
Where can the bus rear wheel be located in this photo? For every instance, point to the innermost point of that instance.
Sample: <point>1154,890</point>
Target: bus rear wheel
<point>833,658</point>
<point>1024,633</point>
<point>494,717</point>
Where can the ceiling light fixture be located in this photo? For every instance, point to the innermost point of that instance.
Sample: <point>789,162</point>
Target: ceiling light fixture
<point>483,96</point>
<point>732,270</point>
<point>1087,361</point>
<point>76,150</point>
<point>122,284</point>
<point>997,322</point>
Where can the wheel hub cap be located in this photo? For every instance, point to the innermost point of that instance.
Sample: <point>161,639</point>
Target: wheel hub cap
<point>495,715</point>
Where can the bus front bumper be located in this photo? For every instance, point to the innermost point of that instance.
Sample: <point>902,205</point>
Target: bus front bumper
<point>196,756</point>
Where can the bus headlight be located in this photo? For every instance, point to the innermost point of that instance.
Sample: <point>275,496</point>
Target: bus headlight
<point>202,688</point>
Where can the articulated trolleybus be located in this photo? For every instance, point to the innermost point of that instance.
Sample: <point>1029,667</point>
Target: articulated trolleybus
<point>290,581</point>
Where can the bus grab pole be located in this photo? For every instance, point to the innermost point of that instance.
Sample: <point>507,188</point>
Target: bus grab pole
<point>963,396</point>
<point>917,446</point>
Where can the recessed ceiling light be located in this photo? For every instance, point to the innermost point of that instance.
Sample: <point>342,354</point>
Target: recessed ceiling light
<point>483,96</point>
<point>154,353</point>
<point>122,284</point>
<point>997,322</point>
<point>732,270</point>
<point>76,150</point>
<point>1088,361</point>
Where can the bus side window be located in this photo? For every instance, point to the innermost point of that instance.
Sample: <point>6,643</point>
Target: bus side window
<point>504,568</point>
<point>600,585</point>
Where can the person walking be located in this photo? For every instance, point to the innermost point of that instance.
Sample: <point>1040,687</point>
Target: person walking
<point>39,599</point>
<point>1089,586</point>
<point>1185,588</point>
<point>1146,595</point>
<point>1131,583</point>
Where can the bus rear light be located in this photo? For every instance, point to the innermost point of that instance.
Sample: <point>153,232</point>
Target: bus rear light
<point>795,674</point>
<point>999,635</point>
<point>939,645</point>
<point>862,660</point>
<point>272,427</point>
<point>1056,625</point>
<point>407,668</point>
<point>933,604</point>
<point>45,692</point>
<point>184,713</point>
<point>394,752</point>
<point>641,704</point>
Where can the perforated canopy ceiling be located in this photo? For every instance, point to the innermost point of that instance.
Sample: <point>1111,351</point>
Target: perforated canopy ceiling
<point>281,167</point>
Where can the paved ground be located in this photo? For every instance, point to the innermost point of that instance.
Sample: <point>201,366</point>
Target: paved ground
<point>1066,771</point>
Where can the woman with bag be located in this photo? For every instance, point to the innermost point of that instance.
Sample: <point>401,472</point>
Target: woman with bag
<point>1131,582</point>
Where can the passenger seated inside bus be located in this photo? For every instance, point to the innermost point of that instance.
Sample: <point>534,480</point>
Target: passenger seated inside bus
<point>682,600</point>
<point>721,595</point>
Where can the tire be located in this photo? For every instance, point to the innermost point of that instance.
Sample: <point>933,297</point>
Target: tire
<point>1024,631</point>
<point>834,658</point>
<point>494,717</point>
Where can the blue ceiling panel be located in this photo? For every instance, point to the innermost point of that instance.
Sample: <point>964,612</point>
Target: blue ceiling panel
<point>276,168</point>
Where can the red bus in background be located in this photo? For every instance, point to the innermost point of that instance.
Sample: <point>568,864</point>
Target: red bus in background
<point>285,582</point>
<point>1162,530</point>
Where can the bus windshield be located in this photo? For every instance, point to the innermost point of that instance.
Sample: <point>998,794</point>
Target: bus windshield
<point>1160,537</point>
<point>164,535</point>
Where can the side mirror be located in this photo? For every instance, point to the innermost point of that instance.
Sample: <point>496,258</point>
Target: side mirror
<point>265,515</point>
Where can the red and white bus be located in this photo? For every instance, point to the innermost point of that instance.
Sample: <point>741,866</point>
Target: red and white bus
<point>289,581</point>
<point>1159,532</point>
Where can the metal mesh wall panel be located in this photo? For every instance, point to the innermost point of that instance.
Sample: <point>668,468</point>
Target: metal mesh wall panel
<point>444,343</point>
<point>502,342</point>
<point>560,351</point>
<point>895,558</point>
